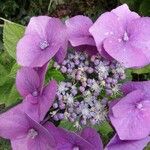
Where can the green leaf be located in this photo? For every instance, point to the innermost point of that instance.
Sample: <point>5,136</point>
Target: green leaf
<point>67,125</point>
<point>13,71</point>
<point>105,130</point>
<point>142,70</point>
<point>8,93</point>
<point>145,8</point>
<point>54,74</point>
<point>12,32</point>
<point>3,74</point>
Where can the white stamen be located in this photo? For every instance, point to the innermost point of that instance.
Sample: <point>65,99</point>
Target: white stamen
<point>125,37</point>
<point>76,148</point>
<point>35,93</point>
<point>44,44</point>
<point>32,133</point>
<point>139,106</point>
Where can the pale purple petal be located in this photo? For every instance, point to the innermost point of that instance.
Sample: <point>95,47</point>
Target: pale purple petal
<point>91,135</point>
<point>47,99</point>
<point>27,81</point>
<point>139,31</point>
<point>42,72</point>
<point>130,116</point>
<point>13,123</point>
<point>132,85</point>
<point>44,139</point>
<point>117,144</point>
<point>78,30</point>
<point>125,53</point>
<point>38,25</point>
<point>101,29</point>
<point>124,14</point>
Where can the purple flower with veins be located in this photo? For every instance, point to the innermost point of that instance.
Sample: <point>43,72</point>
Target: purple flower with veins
<point>44,38</point>
<point>125,37</point>
<point>130,116</point>
<point>87,139</point>
<point>79,35</point>
<point>37,100</point>
<point>24,132</point>
<point>117,144</point>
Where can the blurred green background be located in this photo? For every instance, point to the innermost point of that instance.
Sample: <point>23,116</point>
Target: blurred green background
<point>20,11</point>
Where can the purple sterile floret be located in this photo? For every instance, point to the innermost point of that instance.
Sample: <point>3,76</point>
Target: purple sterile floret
<point>44,38</point>
<point>117,144</point>
<point>87,139</point>
<point>24,132</point>
<point>130,116</point>
<point>125,37</point>
<point>36,101</point>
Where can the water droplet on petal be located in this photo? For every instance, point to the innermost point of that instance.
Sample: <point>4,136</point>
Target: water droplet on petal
<point>44,45</point>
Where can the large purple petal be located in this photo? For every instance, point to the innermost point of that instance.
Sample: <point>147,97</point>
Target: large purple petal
<point>27,81</point>
<point>125,53</point>
<point>38,26</point>
<point>124,14</point>
<point>132,122</point>
<point>131,86</point>
<point>42,72</point>
<point>47,99</point>
<point>117,144</point>
<point>13,123</point>
<point>91,135</point>
<point>139,31</point>
<point>78,30</point>
<point>101,29</point>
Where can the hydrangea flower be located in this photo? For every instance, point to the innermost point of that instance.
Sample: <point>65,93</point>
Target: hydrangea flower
<point>24,132</point>
<point>44,38</point>
<point>130,116</point>
<point>37,100</point>
<point>79,35</point>
<point>117,144</point>
<point>125,37</point>
<point>87,139</point>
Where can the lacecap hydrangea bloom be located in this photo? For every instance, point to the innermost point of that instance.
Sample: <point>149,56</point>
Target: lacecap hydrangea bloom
<point>94,72</point>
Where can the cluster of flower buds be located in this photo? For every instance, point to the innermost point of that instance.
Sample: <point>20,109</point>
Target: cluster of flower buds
<point>92,80</point>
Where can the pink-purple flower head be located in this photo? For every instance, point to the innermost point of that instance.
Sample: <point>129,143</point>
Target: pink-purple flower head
<point>37,100</point>
<point>24,132</point>
<point>130,116</point>
<point>117,144</point>
<point>87,139</point>
<point>44,37</point>
<point>124,35</point>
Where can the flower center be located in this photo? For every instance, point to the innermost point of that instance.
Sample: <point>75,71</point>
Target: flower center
<point>44,45</point>
<point>125,37</point>
<point>35,93</point>
<point>32,133</point>
<point>76,148</point>
<point>139,106</point>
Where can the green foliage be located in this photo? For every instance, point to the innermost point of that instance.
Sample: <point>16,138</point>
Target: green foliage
<point>142,70</point>
<point>67,125</point>
<point>54,74</point>
<point>12,32</point>
<point>106,131</point>
<point>4,144</point>
<point>145,8</point>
